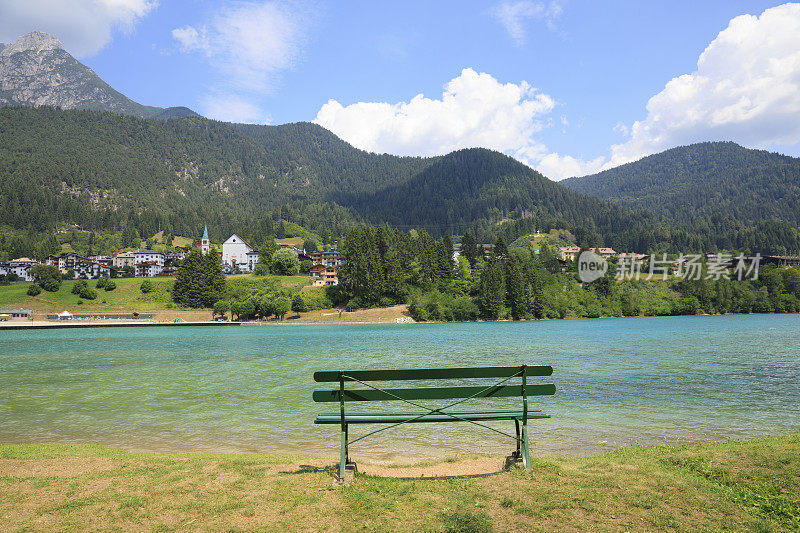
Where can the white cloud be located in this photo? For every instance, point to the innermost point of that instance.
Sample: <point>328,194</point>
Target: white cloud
<point>83,26</point>
<point>475,110</point>
<point>746,88</point>
<point>247,42</point>
<point>514,16</point>
<point>233,108</point>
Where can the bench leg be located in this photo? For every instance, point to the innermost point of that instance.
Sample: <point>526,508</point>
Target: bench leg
<point>343,459</point>
<point>526,458</point>
<point>516,426</point>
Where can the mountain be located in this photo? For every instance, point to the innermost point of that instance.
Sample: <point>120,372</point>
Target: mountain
<point>36,71</point>
<point>709,184</point>
<point>105,171</point>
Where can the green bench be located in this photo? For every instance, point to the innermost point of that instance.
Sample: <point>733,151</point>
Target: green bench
<point>512,381</point>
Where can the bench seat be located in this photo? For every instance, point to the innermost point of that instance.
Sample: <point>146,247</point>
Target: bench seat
<point>396,418</point>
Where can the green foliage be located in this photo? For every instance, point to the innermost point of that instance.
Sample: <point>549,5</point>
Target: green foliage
<point>305,266</point>
<point>146,286</point>
<point>299,304</point>
<point>261,268</point>
<point>435,305</point>
<point>101,282</point>
<point>285,262</point>
<point>47,276</point>
<point>199,281</point>
<point>281,306</point>
<point>79,286</point>
<point>110,286</point>
<point>244,310</point>
<point>87,294</point>
<point>34,289</point>
<point>221,308</point>
<point>727,195</point>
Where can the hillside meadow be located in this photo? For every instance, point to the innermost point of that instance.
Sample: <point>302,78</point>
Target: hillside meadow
<point>733,486</point>
<point>128,297</point>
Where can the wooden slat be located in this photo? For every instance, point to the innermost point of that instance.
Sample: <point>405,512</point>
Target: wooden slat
<point>432,393</point>
<point>394,418</point>
<point>432,373</point>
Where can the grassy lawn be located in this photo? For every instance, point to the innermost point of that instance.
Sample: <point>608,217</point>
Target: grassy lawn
<point>126,297</point>
<point>738,486</point>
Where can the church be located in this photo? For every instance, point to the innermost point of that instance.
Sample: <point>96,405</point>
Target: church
<point>237,254</point>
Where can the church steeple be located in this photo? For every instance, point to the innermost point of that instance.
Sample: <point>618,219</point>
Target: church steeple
<point>205,244</point>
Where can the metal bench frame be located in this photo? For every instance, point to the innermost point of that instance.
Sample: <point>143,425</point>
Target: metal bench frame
<point>439,414</point>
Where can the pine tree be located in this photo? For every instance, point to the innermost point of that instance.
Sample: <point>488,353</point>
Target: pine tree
<point>199,281</point>
<point>492,290</point>
<point>469,248</point>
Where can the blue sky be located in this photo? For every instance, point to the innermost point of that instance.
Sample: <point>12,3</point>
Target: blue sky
<point>556,84</point>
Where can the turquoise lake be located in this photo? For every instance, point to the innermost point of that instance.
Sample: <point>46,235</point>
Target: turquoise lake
<point>620,382</point>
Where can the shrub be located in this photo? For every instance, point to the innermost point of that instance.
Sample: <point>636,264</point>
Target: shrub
<point>386,302</point>
<point>110,285</point>
<point>261,269</point>
<point>34,289</point>
<point>146,286</point>
<point>87,294</point>
<point>47,276</point>
<point>305,266</point>
<point>101,282</point>
<point>50,284</point>
<point>79,286</point>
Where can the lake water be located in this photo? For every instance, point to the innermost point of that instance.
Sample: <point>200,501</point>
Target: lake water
<point>620,382</point>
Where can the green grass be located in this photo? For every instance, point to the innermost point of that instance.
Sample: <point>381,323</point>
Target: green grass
<point>126,297</point>
<point>735,486</point>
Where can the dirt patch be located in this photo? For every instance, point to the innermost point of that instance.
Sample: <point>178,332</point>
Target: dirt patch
<point>464,467</point>
<point>62,467</point>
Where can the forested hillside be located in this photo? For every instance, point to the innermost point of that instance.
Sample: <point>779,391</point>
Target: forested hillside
<point>105,172</point>
<point>705,185</point>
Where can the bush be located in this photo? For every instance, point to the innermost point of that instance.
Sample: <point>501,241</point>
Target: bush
<point>285,262</point>
<point>101,282</point>
<point>261,269</point>
<point>87,294</point>
<point>69,274</point>
<point>79,286</point>
<point>305,266</point>
<point>386,302</point>
<point>50,285</point>
<point>146,286</point>
<point>47,276</point>
<point>110,286</point>
<point>34,289</point>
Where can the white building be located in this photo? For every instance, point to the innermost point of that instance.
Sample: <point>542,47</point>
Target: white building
<point>21,267</point>
<point>148,263</point>
<point>236,253</point>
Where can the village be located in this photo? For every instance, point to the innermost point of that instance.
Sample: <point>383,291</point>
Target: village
<point>237,257</point>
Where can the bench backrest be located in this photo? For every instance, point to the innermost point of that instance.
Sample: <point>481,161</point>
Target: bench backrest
<point>503,389</point>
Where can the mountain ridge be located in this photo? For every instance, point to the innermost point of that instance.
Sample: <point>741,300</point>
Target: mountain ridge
<point>36,70</point>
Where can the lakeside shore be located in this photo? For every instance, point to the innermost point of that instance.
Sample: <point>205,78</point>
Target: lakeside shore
<point>737,485</point>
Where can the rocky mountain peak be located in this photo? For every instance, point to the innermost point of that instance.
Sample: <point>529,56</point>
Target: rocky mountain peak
<point>35,41</point>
